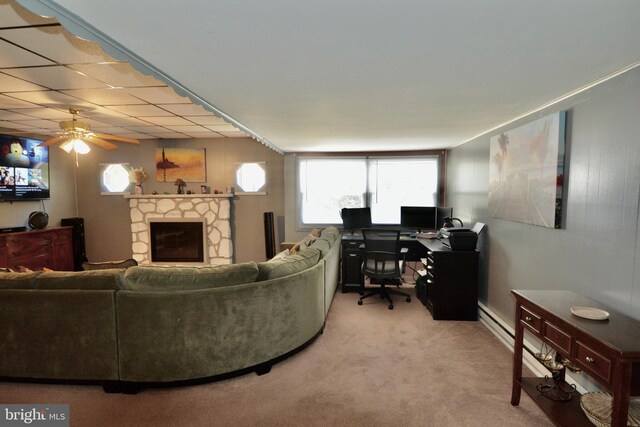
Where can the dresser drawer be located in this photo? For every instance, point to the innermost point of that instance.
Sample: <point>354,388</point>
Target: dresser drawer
<point>593,362</point>
<point>557,337</point>
<point>531,320</point>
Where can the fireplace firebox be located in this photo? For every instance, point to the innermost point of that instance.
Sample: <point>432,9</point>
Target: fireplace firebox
<point>177,240</point>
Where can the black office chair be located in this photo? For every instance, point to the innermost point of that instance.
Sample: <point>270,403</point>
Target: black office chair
<point>381,263</point>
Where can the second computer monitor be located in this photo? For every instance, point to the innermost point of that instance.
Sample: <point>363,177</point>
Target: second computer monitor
<point>441,215</point>
<point>418,217</point>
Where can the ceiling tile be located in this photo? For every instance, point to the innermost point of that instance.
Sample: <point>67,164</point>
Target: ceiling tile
<point>147,129</point>
<point>222,128</point>
<point>43,113</point>
<point>10,125</point>
<point>10,102</point>
<point>168,121</point>
<point>105,96</point>
<point>158,95</point>
<point>57,44</point>
<point>56,77</point>
<point>204,135</point>
<point>123,121</point>
<point>48,98</point>
<point>188,128</point>
<point>11,115</point>
<point>233,134</point>
<point>39,124</point>
<point>168,135</point>
<point>140,110</point>
<point>13,84</point>
<point>14,56</point>
<point>186,109</point>
<point>205,120</point>
<point>119,74</point>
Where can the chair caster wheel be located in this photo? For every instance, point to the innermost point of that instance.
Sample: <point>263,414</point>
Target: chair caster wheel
<point>390,306</point>
<point>359,302</point>
<point>408,299</point>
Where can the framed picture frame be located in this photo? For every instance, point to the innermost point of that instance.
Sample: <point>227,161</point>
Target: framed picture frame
<point>188,164</point>
<point>526,172</point>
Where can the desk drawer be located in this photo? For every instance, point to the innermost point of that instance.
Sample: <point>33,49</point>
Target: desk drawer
<point>558,337</point>
<point>593,362</point>
<point>531,320</point>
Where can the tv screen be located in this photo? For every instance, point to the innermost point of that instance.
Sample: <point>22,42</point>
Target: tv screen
<point>418,217</point>
<point>24,169</point>
<point>356,218</point>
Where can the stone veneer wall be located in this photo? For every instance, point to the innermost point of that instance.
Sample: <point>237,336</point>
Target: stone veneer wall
<point>214,209</point>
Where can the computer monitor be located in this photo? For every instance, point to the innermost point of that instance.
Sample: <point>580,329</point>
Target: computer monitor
<point>418,217</point>
<point>442,213</point>
<point>355,218</point>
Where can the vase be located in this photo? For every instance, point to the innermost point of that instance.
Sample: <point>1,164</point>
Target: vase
<point>138,190</point>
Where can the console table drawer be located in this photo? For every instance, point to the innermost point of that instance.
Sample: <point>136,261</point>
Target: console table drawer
<point>558,337</point>
<point>594,362</point>
<point>531,320</point>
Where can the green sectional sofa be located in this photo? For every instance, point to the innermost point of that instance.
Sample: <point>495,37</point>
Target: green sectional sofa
<point>165,325</point>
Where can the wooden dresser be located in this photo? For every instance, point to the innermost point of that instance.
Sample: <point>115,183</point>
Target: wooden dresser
<point>607,350</point>
<point>51,248</point>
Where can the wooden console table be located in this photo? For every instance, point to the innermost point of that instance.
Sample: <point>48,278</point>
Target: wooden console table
<point>51,248</point>
<point>607,350</point>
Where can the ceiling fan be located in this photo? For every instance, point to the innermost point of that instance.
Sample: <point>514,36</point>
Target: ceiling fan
<point>75,135</point>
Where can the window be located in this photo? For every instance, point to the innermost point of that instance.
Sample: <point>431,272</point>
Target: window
<point>251,177</point>
<point>114,178</point>
<point>326,185</point>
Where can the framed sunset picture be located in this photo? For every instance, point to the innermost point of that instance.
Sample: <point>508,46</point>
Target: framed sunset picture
<point>188,164</point>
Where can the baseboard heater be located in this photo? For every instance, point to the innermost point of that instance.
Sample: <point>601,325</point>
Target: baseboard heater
<point>506,335</point>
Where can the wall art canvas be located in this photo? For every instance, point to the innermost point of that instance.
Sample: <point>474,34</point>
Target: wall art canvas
<point>189,164</point>
<point>526,174</point>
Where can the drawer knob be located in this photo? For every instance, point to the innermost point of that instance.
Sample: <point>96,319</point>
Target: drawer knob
<point>527,318</point>
<point>589,359</point>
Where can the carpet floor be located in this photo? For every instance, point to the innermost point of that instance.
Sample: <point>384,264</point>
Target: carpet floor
<point>371,367</point>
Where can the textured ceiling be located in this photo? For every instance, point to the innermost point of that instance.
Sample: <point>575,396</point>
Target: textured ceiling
<point>319,75</point>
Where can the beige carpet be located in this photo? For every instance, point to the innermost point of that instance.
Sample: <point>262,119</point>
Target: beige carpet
<point>371,367</point>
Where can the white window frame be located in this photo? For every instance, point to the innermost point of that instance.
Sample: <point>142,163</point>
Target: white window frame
<point>104,191</point>
<point>239,191</point>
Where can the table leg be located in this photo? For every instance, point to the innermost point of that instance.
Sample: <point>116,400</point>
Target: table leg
<point>621,387</point>
<point>517,359</point>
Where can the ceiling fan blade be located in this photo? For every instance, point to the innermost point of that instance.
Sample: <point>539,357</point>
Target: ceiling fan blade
<point>102,143</point>
<point>54,140</point>
<point>117,138</point>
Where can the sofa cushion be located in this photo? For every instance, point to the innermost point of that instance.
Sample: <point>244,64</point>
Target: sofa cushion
<point>330,233</point>
<point>295,263</point>
<point>323,245</point>
<point>10,280</point>
<point>86,266</point>
<point>172,278</point>
<point>98,280</point>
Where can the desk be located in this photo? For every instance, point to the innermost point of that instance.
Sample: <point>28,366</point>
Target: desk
<point>606,350</point>
<point>451,282</point>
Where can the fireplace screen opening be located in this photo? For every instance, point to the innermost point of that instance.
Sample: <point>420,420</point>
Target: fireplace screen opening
<point>177,241</point>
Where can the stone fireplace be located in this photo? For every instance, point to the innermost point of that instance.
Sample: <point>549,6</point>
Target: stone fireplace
<point>213,209</point>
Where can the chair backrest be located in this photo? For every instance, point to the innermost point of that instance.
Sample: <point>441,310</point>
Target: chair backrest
<point>381,253</point>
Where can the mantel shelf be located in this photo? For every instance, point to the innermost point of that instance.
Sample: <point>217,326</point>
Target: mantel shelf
<point>178,196</point>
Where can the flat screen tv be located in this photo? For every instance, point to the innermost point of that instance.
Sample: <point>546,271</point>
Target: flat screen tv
<point>356,218</point>
<point>24,169</point>
<point>418,217</point>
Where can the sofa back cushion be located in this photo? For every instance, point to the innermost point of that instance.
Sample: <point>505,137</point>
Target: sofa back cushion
<point>331,234</point>
<point>98,280</point>
<point>295,263</point>
<point>323,245</point>
<point>10,280</point>
<point>169,278</point>
<point>86,266</point>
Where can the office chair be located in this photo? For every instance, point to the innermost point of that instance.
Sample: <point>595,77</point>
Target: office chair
<point>381,262</point>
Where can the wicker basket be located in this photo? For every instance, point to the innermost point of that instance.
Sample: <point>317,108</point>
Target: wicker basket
<point>597,407</point>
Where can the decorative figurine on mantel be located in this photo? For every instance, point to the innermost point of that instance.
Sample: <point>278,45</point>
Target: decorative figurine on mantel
<point>138,176</point>
<point>181,184</point>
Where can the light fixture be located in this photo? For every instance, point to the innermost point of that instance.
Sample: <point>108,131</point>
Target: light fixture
<point>76,134</point>
<point>78,145</point>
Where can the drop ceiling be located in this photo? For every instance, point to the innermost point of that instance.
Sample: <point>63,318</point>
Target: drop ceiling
<point>306,76</point>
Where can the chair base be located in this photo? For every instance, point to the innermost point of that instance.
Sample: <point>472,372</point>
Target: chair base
<point>385,294</point>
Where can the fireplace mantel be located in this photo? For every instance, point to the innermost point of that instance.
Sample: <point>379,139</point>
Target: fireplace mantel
<point>214,208</point>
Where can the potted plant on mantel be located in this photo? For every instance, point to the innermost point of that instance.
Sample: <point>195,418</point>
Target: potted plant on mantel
<point>138,176</point>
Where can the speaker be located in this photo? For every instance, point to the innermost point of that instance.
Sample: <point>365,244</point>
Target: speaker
<point>269,235</point>
<point>77,237</point>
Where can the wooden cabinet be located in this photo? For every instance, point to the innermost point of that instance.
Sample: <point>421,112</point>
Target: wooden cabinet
<point>452,282</point>
<point>607,350</point>
<point>51,248</point>
<point>351,257</point>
